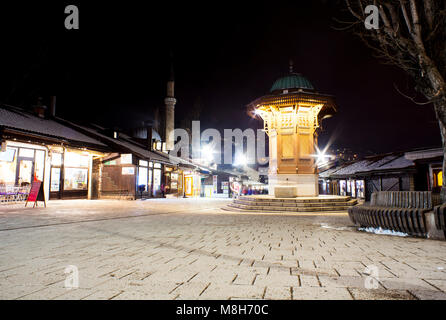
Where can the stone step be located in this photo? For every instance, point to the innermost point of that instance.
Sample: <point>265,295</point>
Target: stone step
<point>294,200</point>
<point>351,202</point>
<point>287,209</point>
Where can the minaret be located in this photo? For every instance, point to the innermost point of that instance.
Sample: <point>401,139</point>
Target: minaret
<point>170,101</point>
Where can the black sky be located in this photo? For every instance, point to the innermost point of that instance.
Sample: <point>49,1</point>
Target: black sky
<point>113,70</point>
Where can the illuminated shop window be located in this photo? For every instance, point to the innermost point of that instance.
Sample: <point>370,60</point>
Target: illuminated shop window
<point>56,159</point>
<point>76,179</point>
<point>8,166</point>
<point>439,178</point>
<point>143,163</point>
<point>39,164</point>
<point>55,179</point>
<point>26,153</point>
<point>143,176</point>
<point>73,159</point>
<point>360,188</point>
<point>343,187</point>
<point>25,175</point>
<point>353,188</point>
<point>156,179</point>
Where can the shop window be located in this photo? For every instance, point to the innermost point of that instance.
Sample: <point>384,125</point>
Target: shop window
<point>73,159</point>
<point>174,180</point>
<point>343,187</point>
<point>55,179</point>
<point>26,153</point>
<point>76,179</point>
<point>157,165</point>
<point>143,176</point>
<point>353,190</point>
<point>8,155</point>
<point>39,164</point>
<point>8,166</point>
<point>149,187</point>
<point>439,179</point>
<point>156,180</point>
<point>360,188</point>
<point>143,163</point>
<point>56,159</point>
<point>25,172</point>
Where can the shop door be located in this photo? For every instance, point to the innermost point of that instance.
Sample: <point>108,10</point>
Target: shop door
<point>25,171</point>
<point>156,182</point>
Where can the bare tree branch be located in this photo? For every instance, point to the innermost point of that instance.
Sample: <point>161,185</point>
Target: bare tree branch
<point>406,16</point>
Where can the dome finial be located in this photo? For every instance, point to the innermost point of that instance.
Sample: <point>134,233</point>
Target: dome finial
<point>291,65</point>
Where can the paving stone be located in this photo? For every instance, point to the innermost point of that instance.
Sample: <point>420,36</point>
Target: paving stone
<point>191,249</point>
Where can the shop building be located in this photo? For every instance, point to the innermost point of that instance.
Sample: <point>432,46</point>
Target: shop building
<point>417,170</point>
<point>38,146</point>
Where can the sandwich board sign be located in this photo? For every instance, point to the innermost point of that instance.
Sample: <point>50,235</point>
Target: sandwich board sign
<point>36,193</point>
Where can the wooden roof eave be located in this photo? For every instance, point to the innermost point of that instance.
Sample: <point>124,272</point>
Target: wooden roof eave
<point>25,136</point>
<point>294,98</point>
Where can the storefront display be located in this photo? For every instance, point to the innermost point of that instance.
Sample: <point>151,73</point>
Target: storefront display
<point>25,173</point>
<point>55,180</point>
<point>353,188</point>
<point>76,179</point>
<point>8,167</point>
<point>75,173</point>
<point>19,166</point>
<point>360,188</point>
<point>343,187</point>
<point>157,179</point>
<point>39,164</point>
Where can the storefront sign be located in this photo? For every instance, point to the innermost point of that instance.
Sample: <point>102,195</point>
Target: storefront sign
<point>128,170</point>
<point>36,193</point>
<point>126,158</point>
<point>110,163</point>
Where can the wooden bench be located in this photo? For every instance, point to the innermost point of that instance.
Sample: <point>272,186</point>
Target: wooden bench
<point>402,211</point>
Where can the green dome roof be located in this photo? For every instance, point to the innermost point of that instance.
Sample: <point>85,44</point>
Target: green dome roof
<point>292,81</point>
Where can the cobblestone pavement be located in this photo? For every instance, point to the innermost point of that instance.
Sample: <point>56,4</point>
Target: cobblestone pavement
<point>191,249</point>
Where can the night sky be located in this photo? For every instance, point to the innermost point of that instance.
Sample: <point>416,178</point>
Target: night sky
<point>113,70</point>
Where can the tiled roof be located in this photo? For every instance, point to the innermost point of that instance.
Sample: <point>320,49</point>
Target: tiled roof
<point>18,119</point>
<point>124,142</point>
<point>377,163</point>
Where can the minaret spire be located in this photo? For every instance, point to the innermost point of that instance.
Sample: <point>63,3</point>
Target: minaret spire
<point>172,74</point>
<point>170,101</point>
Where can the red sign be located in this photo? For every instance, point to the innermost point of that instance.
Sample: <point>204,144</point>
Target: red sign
<point>35,188</point>
<point>36,193</point>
